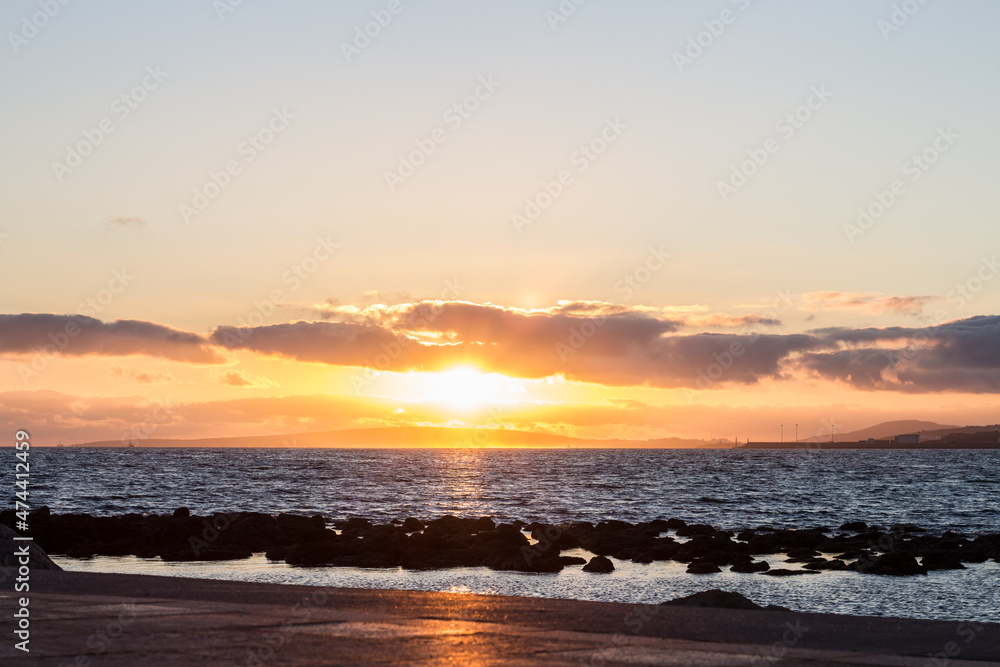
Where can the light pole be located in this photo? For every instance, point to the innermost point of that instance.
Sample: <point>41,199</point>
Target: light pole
<point>782,432</point>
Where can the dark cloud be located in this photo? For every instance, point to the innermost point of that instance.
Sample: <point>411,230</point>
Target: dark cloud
<point>78,335</point>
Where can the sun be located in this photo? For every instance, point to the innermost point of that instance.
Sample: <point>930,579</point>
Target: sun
<point>467,387</point>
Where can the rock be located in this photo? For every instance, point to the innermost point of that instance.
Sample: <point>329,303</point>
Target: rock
<point>703,567</point>
<point>751,566</point>
<point>714,598</point>
<point>483,523</point>
<point>412,525</point>
<point>905,528</point>
<point>674,524</point>
<point>695,529</point>
<point>181,513</point>
<point>894,563</point>
<point>573,560</point>
<point>599,564</point>
<point>855,526</point>
<point>781,572</point>
<point>37,558</point>
<point>941,560</point>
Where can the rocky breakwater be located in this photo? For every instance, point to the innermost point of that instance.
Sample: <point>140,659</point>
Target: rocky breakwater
<point>450,541</point>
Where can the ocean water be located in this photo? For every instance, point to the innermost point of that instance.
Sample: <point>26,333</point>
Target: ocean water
<point>937,490</point>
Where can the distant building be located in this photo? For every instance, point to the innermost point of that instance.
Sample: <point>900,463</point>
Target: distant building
<point>907,439</point>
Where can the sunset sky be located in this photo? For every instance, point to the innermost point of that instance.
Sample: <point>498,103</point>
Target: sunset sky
<point>635,220</point>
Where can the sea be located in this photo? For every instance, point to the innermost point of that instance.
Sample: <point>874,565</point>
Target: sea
<point>733,489</point>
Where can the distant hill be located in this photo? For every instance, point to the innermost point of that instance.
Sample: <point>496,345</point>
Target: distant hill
<point>894,428</point>
<point>408,436</point>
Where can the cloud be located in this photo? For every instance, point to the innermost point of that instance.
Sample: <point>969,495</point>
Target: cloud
<point>244,379</point>
<point>126,221</point>
<point>871,302</point>
<point>79,335</point>
<point>585,341</point>
<point>962,355</point>
<point>626,346</point>
<point>141,378</point>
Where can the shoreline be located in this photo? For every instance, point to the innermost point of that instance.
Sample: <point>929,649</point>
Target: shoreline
<point>116,619</point>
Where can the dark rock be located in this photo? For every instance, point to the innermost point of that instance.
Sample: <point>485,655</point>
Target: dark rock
<point>695,529</point>
<point>572,560</point>
<point>42,513</point>
<point>674,524</point>
<point>181,513</point>
<point>894,563</point>
<point>763,545</point>
<point>412,525</point>
<point>714,598</point>
<point>483,523</point>
<point>855,526</point>
<point>941,560</point>
<point>703,567</point>
<point>905,528</point>
<point>599,564</point>
<point>780,572</point>
<point>751,566</point>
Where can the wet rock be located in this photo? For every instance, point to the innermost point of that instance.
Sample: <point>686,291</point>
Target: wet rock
<point>905,528</point>
<point>854,526</point>
<point>716,598</point>
<point>483,523</point>
<point>695,529</point>
<point>181,513</point>
<point>941,560</point>
<point>781,572</point>
<point>674,524</point>
<point>763,545</point>
<point>599,564</point>
<point>572,560</point>
<point>411,525</point>
<point>703,567</point>
<point>751,566</point>
<point>893,563</point>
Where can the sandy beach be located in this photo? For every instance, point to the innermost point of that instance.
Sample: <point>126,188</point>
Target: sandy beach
<point>107,619</point>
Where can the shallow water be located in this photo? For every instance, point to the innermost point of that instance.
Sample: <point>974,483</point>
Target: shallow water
<point>938,490</point>
<point>958,595</point>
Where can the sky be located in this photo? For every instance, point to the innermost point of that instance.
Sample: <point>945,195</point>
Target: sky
<point>608,220</point>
